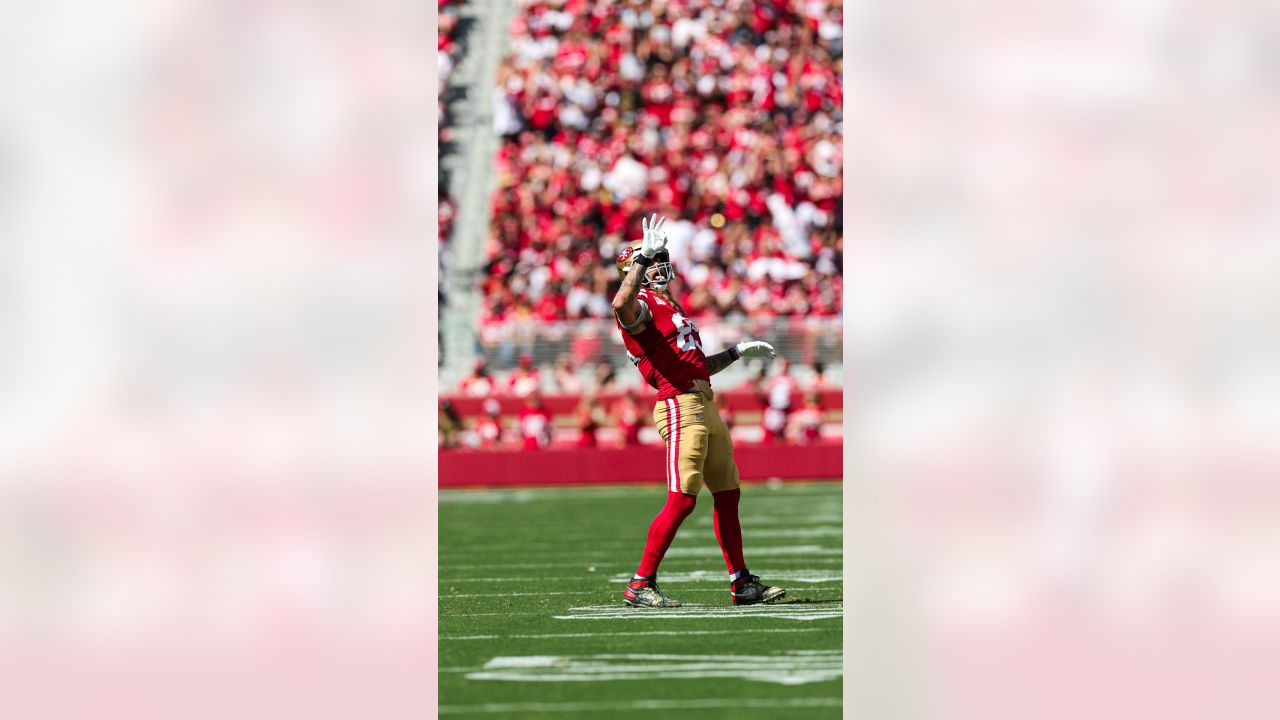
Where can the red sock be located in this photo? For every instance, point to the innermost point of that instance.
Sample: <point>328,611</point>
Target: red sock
<point>728,531</point>
<point>663,530</point>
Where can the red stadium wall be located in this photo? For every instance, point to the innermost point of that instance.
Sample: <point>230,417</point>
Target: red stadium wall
<point>737,401</point>
<point>627,465</point>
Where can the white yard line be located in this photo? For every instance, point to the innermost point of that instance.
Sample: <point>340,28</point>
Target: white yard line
<point>804,575</point>
<point>759,551</point>
<point>520,594</point>
<point>674,555</point>
<point>802,612</point>
<point>549,636</point>
<point>786,668</point>
<point>532,495</point>
<point>508,578</point>
<point>804,528</point>
<point>798,520</point>
<point>509,613</point>
<point>589,593</point>
<point>793,611</point>
<point>615,705</point>
<point>800,532</point>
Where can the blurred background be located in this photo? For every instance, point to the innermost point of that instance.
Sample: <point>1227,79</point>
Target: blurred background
<point>217,358</point>
<point>1062,322</point>
<point>563,124</point>
<point>219,345</point>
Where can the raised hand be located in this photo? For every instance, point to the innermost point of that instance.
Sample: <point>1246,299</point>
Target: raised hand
<point>654,240</point>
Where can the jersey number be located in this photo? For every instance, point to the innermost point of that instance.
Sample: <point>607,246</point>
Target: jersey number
<point>686,338</point>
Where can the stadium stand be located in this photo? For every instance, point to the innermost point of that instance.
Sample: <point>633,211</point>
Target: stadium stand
<point>446,51</point>
<point>725,117</point>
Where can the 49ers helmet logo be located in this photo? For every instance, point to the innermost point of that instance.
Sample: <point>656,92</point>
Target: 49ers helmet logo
<point>625,254</point>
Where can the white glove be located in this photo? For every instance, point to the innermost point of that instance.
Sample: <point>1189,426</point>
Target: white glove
<point>655,238</point>
<point>756,348</point>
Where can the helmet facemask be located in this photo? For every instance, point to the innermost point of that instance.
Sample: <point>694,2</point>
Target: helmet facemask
<point>659,274</point>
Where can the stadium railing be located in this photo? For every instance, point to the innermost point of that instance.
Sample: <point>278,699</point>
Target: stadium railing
<point>745,405</point>
<point>802,340</point>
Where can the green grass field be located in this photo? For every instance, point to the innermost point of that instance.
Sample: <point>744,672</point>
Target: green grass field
<point>532,621</point>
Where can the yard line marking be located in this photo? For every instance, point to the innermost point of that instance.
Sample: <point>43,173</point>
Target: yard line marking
<point>805,575</point>
<point>506,579</point>
<point>807,532</point>
<point>794,611</point>
<point>725,631</point>
<point>610,593</point>
<point>597,706</point>
<point>787,668</point>
<point>486,497</point>
<point>567,563</point>
<point>508,613</point>
<point>509,594</point>
<point>749,520</point>
<point>529,495</point>
<point>824,611</point>
<point>762,551</point>
<point>673,555</point>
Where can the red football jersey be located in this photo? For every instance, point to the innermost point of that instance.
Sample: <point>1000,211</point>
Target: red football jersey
<point>535,427</point>
<point>668,352</point>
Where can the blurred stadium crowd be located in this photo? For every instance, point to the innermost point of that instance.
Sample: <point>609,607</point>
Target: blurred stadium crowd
<point>446,58</point>
<point>723,115</point>
<point>774,406</point>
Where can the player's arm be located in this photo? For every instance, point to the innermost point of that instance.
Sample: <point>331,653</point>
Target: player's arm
<point>755,348</point>
<point>632,313</point>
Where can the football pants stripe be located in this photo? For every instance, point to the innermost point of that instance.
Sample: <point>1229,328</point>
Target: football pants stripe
<point>675,453</point>
<point>671,454</point>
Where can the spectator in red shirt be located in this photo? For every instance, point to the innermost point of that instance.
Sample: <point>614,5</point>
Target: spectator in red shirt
<point>776,397</point>
<point>587,417</point>
<point>808,420</point>
<point>819,381</point>
<point>726,413</point>
<point>628,417</point>
<point>535,423</point>
<point>525,379</point>
<point>489,426</point>
<point>606,378</point>
<point>565,375</point>
<point>479,383</point>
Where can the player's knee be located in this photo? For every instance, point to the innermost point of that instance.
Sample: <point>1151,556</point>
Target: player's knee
<point>681,502</point>
<point>726,498</point>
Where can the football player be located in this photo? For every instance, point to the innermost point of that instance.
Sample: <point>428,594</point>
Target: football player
<point>664,345</point>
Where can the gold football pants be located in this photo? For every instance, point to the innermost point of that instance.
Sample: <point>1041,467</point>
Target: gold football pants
<point>699,449</point>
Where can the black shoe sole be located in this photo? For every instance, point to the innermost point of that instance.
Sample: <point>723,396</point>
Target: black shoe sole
<point>779,596</point>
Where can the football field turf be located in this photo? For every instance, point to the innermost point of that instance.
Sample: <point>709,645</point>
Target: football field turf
<point>532,620</point>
